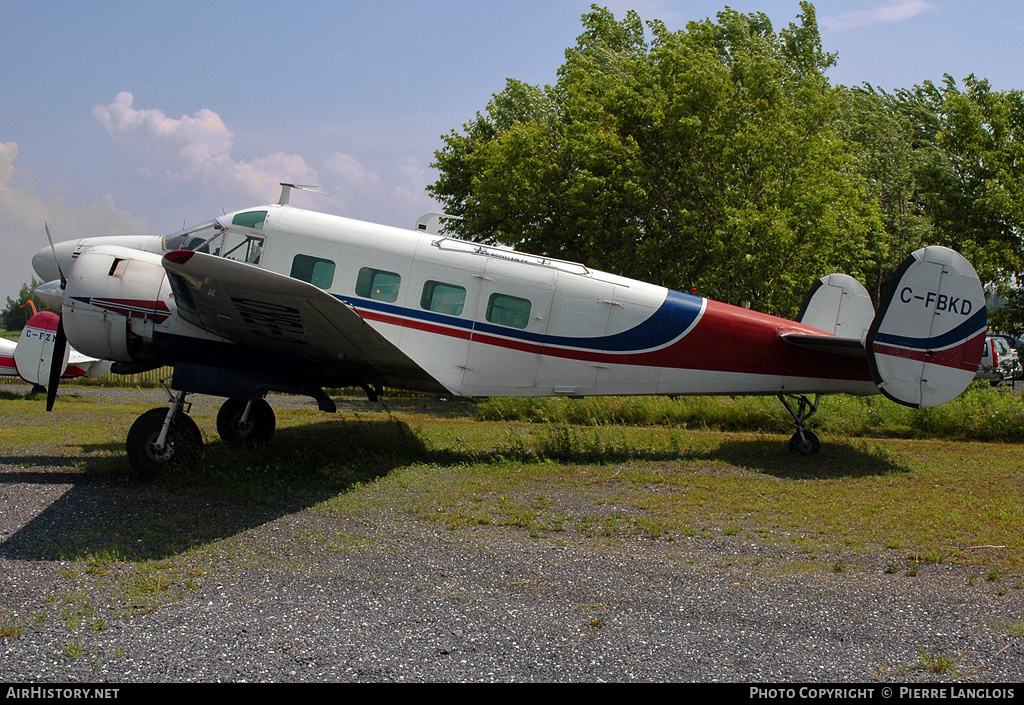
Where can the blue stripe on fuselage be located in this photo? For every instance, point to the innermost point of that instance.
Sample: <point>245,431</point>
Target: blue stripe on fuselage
<point>675,316</point>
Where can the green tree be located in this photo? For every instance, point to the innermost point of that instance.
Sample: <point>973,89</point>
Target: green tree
<point>883,137</point>
<point>708,157</point>
<point>970,180</point>
<point>16,313</point>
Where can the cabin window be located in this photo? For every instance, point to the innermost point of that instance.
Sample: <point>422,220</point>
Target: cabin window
<point>377,284</point>
<point>250,219</point>
<point>443,298</point>
<point>318,272</point>
<point>508,310</point>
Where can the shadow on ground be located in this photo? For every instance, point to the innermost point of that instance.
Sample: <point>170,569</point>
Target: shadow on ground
<point>837,459</point>
<point>108,511</point>
<point>229,492</point>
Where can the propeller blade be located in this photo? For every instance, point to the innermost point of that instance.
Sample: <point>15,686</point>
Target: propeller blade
<point>63,279</point>
<point>56,363</point>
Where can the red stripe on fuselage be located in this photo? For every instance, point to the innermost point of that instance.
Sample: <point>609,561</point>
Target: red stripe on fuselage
<point>733,339</point>
<point>725,339</point>
<point>141,308</point>
<point>416,324</point>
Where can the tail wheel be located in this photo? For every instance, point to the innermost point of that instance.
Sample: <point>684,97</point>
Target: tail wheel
<point>255,432</point>
<point>182,450</point>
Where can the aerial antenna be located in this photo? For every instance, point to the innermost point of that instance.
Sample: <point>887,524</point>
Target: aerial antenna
<point>286,191</point>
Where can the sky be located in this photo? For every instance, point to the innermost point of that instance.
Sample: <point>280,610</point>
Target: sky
<point>129,117</point>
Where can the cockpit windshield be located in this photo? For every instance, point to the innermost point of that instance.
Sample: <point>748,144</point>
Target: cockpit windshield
<point>212,238</point>
<point>193,238</point>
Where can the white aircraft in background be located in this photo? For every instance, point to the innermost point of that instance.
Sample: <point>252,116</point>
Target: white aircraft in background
<point>277,298</point>
<point>31,356</point>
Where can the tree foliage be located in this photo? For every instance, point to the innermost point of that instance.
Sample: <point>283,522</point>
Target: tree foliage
<point>16,313</point>
<point>972,179</point>
<point>882,142</point>
<point>704,158</point>
<point>719,157</point>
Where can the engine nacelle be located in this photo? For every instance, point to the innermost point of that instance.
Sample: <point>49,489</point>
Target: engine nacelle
<point>114,298</point>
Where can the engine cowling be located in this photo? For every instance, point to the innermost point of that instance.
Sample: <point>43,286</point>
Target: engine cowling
<point>114,298</point>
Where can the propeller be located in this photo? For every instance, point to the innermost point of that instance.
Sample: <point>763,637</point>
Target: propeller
<point>61,343</point>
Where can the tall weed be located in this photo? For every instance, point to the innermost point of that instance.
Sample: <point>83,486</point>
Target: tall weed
<point>981,413</point>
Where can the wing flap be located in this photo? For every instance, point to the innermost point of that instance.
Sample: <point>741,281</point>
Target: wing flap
<point>259,309</point>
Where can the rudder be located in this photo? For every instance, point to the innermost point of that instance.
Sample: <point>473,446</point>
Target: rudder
<point>925,343</point>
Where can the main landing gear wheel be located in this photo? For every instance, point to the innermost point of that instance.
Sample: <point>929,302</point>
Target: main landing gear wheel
<point>181,451</point>
<point>804,443</point>
<point>238,429</point>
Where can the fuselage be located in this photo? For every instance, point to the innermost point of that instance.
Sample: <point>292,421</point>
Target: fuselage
<point>486,320</point>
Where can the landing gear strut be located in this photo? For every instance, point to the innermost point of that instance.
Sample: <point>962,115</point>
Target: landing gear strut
<point>246,423</point>
<point>164,439</point>
<point>803,442</point>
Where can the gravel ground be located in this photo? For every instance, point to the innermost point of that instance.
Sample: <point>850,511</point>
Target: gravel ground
<point>411,601</point>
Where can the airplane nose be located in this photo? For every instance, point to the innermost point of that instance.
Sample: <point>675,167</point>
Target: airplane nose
<point>46,266</point>
<point>50,293</point>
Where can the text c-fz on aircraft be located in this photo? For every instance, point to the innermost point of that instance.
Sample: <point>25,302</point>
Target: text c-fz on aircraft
<point>277,298</point>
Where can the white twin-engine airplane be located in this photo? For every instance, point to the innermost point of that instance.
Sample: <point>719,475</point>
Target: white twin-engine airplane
<point>31,356</point>
<point>277,298</point>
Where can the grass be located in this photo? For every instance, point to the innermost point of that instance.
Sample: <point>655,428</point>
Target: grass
<point>934,664</point>
<point>1013,628</point>
<point>10,628</point>
<point>930,500</point>
<point>982,413</point>
<point>584,475</point>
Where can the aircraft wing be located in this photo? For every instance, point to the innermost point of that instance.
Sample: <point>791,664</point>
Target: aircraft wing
<point>262,310</point>
<point>847,347</point>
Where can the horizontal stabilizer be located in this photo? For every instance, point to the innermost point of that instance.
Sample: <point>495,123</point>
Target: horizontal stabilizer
<point>849,347</point>
<point>925,344</point>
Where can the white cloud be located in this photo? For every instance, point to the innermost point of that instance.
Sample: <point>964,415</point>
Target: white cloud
<point>416,180</point>
<point>8,151</point>
<point>198,150</point>
<point>889,13</point>
<point>22,215</point>
<point>349,171</point>
<point>194,140</point>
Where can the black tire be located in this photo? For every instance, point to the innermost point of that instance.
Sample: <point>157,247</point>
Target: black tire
<point>809,445</point>
<point>257,431</point>
<point>184,444</point>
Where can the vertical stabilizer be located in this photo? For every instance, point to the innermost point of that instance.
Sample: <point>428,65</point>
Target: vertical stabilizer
<point>35,348</point>
<point>925,344</point>
<point>840,305</point>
